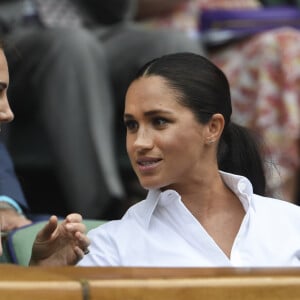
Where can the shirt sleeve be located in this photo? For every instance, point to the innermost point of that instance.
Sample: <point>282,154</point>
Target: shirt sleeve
<point>103,251</point>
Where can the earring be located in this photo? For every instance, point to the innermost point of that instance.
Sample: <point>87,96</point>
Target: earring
<point>211,141</point>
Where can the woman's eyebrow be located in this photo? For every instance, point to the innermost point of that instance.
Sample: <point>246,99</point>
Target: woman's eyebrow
<point>156,112</point>
<point>128,116</point>
<point>149,113</point>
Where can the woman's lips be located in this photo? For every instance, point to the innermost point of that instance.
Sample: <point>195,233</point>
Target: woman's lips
<point>147,164</point>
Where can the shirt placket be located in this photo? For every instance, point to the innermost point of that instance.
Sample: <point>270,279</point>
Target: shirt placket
<point>194,233</point>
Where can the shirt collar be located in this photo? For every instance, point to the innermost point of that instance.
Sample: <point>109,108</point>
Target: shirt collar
<point>146,210</point>
<point>154,196</point>
<point>240,185</point>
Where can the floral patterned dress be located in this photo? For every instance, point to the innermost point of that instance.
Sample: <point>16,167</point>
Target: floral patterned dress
<point>264,74</point>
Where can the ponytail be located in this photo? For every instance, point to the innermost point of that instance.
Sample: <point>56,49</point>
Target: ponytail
<point>239,153</point>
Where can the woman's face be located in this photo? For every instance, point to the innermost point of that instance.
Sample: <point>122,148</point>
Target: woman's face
<point>6,115</point>
<point>164,141</point>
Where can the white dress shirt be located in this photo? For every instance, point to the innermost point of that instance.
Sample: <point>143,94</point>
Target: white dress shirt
<point>161,232</point>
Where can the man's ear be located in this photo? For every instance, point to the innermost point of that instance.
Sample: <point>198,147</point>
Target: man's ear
<point>215,128</point>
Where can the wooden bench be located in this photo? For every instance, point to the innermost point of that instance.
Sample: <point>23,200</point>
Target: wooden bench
<point>113,283</point>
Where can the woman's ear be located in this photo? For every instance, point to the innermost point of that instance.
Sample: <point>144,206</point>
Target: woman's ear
<point>215,128</point>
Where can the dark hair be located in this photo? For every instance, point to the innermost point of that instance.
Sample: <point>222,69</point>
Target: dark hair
<point>204,89</point>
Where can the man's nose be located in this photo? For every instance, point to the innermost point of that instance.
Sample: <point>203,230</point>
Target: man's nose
<point>6,114</point>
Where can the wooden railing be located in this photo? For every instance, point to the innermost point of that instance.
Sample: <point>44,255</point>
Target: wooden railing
<point>56,283</point>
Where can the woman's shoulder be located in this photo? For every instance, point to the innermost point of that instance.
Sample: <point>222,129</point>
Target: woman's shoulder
<point>274,206</point>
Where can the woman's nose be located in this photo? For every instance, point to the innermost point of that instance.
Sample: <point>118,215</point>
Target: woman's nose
<point>143,140</point>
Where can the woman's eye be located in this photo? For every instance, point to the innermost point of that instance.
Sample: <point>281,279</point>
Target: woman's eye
<point>160,121</point>
<point>130,124</point>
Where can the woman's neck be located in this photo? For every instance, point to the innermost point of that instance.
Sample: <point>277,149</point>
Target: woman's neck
<point>204,192</point>
<point>216,208</point>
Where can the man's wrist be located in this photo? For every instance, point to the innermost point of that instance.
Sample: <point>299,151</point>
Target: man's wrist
<point>4,206</point>
<point>9,203</point>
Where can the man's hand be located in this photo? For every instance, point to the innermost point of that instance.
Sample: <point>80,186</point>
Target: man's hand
<point>10,219</point>
<point>60,244</point>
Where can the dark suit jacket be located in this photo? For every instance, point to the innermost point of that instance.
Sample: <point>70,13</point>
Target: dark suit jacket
<point>9,184</point>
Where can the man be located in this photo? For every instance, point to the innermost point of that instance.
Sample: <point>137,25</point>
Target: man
<point>57,243</point>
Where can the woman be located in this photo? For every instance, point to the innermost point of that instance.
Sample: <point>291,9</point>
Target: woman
<point>179,137</point>
<point>55,244</point>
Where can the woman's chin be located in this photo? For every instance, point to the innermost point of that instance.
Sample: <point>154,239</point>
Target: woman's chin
<point>149,185</point>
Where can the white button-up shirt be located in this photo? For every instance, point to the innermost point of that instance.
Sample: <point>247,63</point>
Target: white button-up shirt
<point>160,231</point>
